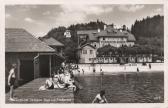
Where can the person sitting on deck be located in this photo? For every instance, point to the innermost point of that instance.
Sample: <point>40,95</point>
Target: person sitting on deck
<point>100,98</point>
<point>51,83</point>
<point>69,82</point>
<point>62,80</point>
<point>48,84</point>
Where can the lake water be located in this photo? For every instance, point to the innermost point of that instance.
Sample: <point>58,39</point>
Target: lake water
<point>122,87</point>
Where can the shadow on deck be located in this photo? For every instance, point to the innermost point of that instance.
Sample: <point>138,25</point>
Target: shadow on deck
<point>29,93</point>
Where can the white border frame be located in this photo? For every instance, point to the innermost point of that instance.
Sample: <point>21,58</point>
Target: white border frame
<point>115,105</point>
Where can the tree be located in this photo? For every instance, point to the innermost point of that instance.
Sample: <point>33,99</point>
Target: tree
<point>149,32</point>
<point>71,44</point>
<point>107,50</point>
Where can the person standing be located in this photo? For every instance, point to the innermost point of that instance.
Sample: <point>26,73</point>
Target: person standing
<point>83,71</point>
<point>101,72</point>
<point>149,66</point>
<point>11,80</point>
<point>137,69</point>
<point>94,70</point>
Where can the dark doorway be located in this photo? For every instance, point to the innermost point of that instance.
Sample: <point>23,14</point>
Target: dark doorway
<point>26,70</point>
<point>44,66</point>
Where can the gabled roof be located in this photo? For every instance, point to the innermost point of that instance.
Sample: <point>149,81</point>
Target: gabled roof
<point>116,33</point>
<point>19,40</point>
<point>52,42</point>
<point>87,44</point>
<point>131,37</point>
<point>108,32</point>
<point>86,32</point>
<point>93,37</point>
<point>91,33</point>
<point>111,33</point>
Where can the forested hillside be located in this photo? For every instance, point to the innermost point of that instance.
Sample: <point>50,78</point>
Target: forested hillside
<point>150,31</point>
<point>71,44</point>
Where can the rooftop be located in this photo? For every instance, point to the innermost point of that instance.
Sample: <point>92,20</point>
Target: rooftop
<point>52,42</point>
<point>19,40</point>
<point>91,33</point>
<point>108,32</point>
<point>87,44</point>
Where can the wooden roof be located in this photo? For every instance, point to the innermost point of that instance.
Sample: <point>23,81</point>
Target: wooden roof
<point>52,42</point>
<point>19,40</point>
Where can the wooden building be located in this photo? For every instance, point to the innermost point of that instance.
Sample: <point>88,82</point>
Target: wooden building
<point>55,44</point>
<point>87,53</point>
<point>33,57</point>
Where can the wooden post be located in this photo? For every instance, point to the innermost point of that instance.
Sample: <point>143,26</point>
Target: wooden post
<point>50,64</point>
<point>18,68</point>
<point>101,83</point>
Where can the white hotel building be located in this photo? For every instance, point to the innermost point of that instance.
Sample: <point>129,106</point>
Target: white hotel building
<point>99,38</point>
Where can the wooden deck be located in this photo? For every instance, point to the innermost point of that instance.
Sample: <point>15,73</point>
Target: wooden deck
<point>29,93</point>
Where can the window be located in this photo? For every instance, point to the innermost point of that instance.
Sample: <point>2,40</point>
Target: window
<point>91,51</point>
<point>84,51</point>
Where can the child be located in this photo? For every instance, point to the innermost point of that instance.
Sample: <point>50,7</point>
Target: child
<point>100,98</point>
<point>149,66</point>
<point>11,80</point>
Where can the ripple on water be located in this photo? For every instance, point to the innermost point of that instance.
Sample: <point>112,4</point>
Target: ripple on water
<point>123,88</point>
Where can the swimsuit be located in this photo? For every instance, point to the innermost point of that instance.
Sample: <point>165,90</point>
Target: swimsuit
<point>12,81</point>
<point>100,99</point>
<point>51,87</point>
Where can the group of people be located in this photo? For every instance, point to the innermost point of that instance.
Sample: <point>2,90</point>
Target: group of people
<point>63,79</point>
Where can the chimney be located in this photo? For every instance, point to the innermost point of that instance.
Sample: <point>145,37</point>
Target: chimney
<point>105,26</point>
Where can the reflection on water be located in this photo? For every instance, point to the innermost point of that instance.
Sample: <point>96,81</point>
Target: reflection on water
<point>122,88</point>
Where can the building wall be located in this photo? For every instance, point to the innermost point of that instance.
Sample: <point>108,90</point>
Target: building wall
<point>142,59</point>
<point>11,58</point>
<point>116,42</point>
<point>131,59</point>
<point>131,67</point>
<point>105,60</point>
<point>86,56</point>
<point>130,44</point>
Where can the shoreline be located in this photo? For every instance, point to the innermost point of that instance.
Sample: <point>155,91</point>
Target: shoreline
<point>114,73</point>
<point>116,68</point>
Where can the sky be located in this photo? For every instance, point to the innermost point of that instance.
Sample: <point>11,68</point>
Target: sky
<point>39,19</point>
